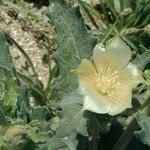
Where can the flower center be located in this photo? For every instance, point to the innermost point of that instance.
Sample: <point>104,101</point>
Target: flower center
<point>106,84</point>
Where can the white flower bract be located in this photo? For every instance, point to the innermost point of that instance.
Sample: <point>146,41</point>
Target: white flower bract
<point>107,80</point>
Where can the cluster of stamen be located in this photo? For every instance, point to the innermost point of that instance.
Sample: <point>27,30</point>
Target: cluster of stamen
<point>107,82</point>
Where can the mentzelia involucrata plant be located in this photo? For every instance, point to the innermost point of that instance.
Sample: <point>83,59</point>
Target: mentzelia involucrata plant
<point>107,80</point>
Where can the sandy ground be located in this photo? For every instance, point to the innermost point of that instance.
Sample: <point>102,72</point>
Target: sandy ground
<point>26,38</point>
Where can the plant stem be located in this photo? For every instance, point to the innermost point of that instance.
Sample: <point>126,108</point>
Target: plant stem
<point>108,2</point>
<point>23,52</point>
<point>108,33</point>
<point>91,9</point>
<point>88,13</point>
<point>105,11</point>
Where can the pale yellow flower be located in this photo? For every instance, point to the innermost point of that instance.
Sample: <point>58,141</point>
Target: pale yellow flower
<point>106,82</point>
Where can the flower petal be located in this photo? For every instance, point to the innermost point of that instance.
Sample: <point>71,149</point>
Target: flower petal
<point>87,78</point>
<point>103,61</point>
<point>121,100</point>
<point>92,100</point>
<point>119,51</point>
<point>86,71</point>
<point>98,54</point>
<point>122,95</point>
<point>99,48</point>
<point>136,74</point>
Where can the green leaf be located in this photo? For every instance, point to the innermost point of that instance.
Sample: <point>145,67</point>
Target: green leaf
<point>54,143</point>
<point>39,113</point>
<point>140,16</point>
<point>144,133</point>
<point>73,119</point>
<point>117,5</point>
<point>97,123</point>
<point>71,142</point>
<point>35,87</point>
<point>23,113</point>
<point>8,90</point>
<point>2,117</point>
<point>23,94</point>
<point>55,123</point>
<point>5,57</point>
<point>19,136</point>
<point>146,74</point>
<point>8,81</point>
<point>67,143</point>
<point>142,60</point>
<point>73,41</point>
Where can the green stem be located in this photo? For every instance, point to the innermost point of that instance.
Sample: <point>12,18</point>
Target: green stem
<point>88,13</point>
<point>103,25</point>
<point>109,32</point>
<point>112,10</point>
<point>49,63</point>
<point>104,11</point>
<point>23,52</point>
<point>34,87</point>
